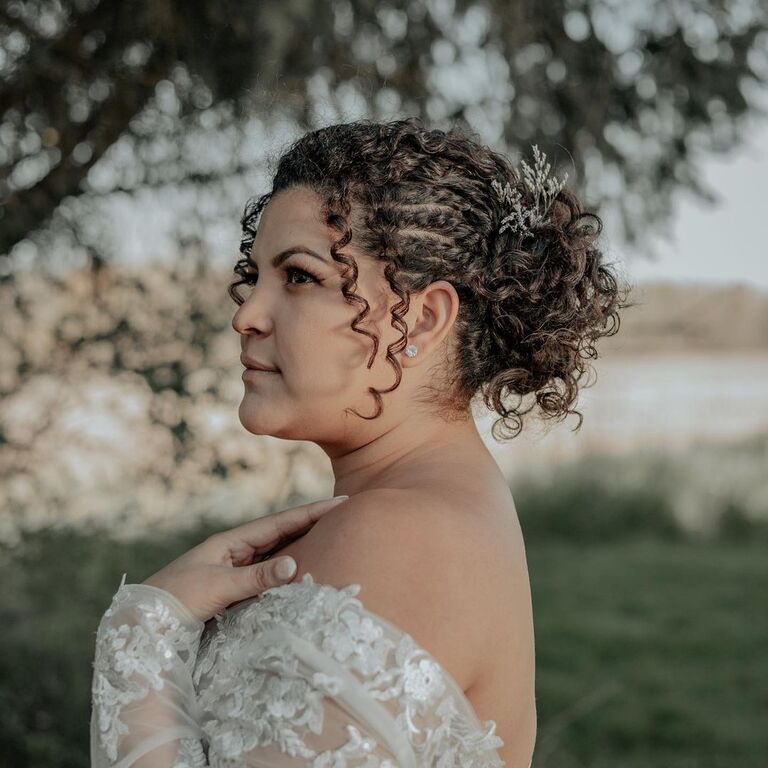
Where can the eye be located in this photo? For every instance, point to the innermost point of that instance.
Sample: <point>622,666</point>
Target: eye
<point>312,279</point>
<point>251,276</point>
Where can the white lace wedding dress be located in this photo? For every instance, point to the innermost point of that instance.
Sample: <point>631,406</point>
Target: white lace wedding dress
<point>301,675</point>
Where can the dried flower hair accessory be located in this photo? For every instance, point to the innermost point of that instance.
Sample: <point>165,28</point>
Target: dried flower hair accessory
<point>524,219</point>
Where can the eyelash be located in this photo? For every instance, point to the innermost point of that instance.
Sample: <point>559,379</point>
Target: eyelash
<point>250,277</point>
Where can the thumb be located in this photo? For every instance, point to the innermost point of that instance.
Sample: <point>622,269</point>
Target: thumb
<point>284,569</point>
<point>247,581</point>
<point>268,573</point>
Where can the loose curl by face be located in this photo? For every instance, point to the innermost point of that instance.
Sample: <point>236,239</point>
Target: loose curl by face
<point>421,201</point>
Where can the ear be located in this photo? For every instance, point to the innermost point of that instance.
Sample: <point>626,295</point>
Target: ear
<point>433,313</point>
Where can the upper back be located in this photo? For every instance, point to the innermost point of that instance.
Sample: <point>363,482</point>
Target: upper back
<point>447,567</point>
<point>410,557</point>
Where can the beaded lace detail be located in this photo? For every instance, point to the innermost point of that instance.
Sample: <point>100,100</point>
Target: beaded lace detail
<point>301,675</point>
<point>366,654</point>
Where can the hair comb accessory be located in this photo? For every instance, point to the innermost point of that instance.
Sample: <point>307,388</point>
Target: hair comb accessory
<point>524,219</point>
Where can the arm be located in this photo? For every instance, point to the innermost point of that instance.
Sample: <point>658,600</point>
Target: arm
<point>299,708</point>
<point>144,708</point>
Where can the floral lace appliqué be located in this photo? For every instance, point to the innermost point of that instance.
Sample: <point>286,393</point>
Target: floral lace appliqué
<point>130,658</point>
<point>301,675</point>
<point>255,691</point>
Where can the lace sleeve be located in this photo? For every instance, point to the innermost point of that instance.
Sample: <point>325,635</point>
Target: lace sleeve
<point>304,676</point>
<point>144,706</point>
<point>301,677</point>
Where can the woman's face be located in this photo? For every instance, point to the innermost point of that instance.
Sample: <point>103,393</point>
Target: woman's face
<point>295,318</point>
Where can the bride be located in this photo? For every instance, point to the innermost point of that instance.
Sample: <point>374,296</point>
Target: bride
<point>405,635</point>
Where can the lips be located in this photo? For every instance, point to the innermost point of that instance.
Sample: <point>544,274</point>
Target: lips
<point>252,363</point>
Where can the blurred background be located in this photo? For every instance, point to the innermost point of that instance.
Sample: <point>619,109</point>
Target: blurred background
<point>131,134</point>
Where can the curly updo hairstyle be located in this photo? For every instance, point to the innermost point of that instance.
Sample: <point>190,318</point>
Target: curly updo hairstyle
<point>422,201</point>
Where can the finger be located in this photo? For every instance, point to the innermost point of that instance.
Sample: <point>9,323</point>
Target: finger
<point>294,522</point>
<point>282,544</point>
<point>250,580</point>
<point>261,535</point>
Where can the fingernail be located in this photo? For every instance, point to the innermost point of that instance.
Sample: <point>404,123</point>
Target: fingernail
<point>340,498</point>
<point>285,568</point>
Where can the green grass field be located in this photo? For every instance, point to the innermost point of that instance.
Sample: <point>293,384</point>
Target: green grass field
<point>652,643</point>
<point>651,654</point>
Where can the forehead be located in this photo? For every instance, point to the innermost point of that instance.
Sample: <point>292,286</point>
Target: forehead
<point>293,211</point>
<point>293,217</point>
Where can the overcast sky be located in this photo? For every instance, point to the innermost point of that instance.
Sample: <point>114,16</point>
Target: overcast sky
<point>725,242</point>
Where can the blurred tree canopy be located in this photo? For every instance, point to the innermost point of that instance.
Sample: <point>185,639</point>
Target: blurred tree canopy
<point>632,92</point>
<point>119,386</point>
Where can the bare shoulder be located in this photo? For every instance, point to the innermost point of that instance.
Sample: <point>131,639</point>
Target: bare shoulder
<point>424,562</point>
<point>449,568</point>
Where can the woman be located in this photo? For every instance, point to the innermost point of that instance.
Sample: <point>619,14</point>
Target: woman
<point>380,246</point>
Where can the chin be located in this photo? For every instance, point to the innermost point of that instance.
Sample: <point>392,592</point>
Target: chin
<point>257,418</point>
<point>252,421</point>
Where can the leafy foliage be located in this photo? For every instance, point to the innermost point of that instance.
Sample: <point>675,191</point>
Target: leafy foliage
<point>101,98</point>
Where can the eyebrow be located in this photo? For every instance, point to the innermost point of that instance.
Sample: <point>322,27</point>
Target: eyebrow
<point>283,255</point>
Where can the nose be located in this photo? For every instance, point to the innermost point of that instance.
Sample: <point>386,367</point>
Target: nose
<point>252,316</point>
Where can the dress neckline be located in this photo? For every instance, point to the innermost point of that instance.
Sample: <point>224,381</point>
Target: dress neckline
<point>353,590</point>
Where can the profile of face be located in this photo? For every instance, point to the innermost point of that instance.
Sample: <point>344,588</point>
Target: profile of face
<point>295,318</point>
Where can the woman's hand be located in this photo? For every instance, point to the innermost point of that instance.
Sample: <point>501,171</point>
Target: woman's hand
<point>226,567</point>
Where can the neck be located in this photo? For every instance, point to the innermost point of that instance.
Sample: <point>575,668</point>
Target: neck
<point>405,453</point>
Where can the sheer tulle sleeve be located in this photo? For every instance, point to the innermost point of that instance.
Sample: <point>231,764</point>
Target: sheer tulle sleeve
<point>302,676</point>
<point>144,707</point>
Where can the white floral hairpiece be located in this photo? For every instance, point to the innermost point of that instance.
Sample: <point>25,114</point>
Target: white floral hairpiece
<point>541,185</point>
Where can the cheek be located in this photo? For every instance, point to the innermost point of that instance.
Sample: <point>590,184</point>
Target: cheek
<point>318,350</point>
<point>325,353</point>
<point>328,364</point>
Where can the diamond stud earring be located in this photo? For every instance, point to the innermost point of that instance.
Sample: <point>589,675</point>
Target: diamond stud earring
<point>411,350</point>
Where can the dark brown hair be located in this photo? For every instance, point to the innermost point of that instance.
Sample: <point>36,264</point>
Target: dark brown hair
<point>421,201</point>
